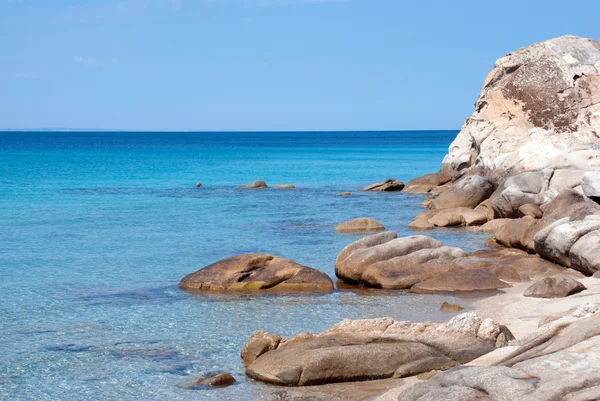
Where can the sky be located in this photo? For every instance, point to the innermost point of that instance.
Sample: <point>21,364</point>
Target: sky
<point>237,65</point>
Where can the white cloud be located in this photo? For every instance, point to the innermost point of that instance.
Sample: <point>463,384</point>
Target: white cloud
<point>85,61</point>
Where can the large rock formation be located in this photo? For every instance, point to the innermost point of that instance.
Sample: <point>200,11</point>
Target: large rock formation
<point>257,272</point>
<point>424,265</point>
<point>357,350</point>
<point>539,107</point>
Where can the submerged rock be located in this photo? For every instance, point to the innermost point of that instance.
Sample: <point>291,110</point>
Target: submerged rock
<point>358,350</point>
<point>361,224</point>
<point>198,185</point>
<point>450,308</point>
<point>388,185</point>
<point>257,272</point>
<point>344,194</point>
<point>284,186</point>
<point>258,184</point>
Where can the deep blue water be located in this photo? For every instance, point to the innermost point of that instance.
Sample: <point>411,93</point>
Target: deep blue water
<point>97,229</point>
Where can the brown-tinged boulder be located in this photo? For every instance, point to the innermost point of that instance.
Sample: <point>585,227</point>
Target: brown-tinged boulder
<point>259,342</point>
<point>560,362</point>
<point>220,380</point>
<point>554,287</point>
<point>258,184</point>
<point>530,209</point>
<point>388,185</point>
<point>386,261</point>
<point>450,308</point>
<point>344,194</point>
<point>460,281</point>
<point>469,192</point>
<point>358,350</point>
<point>284,186</point>
<point>491,226</point>
<point>426,203</point>
<point>257,272</point>
<point>524,268</point>
<point>427,182</point>
<point>436,191</point>
<point>452,217</point>
<point>457,217</point>
<point>361,224</point>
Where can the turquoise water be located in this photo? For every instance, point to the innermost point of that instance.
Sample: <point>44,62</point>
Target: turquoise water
<point>98,228</point>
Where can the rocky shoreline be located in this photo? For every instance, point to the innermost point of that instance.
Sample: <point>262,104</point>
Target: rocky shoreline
<point>524,168</point>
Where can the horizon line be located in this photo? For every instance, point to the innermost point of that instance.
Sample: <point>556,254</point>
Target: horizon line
<point>207,131</point>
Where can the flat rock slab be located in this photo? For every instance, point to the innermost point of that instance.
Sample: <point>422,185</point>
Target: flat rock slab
<point>361,224</point>
<point>257,273</point>
<point>554,287</point>
<point>461,281</point>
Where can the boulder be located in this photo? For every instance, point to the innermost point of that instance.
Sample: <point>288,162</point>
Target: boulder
<point>358,350</point>
<point>284,186</point>
<point>450,308</point>
<point>385,261</point>
<point>468,192</point>
<point>524,268</point>
<point>259,342</point>
<point>452,217</point>
<point>530,187</point>
<point>257,272</point>
<point>426,203</point>
<point>427,182</point>
<point>460,281</point>
<point>258,184</point>
<point>198,185</point>
<point>388,185</point>
<point>590,184</point>
<point>563,180</point>
<point>531,210</point>
<point>491,226</point>
<point>220,380</point>
<point>344,194</point>
<point>555,241</point>
<point>361,224</point>
<point>538,108</point>
<point>558,364</point>
<point>554,287</point>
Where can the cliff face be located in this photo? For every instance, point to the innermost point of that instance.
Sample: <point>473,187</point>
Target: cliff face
<point>539,108</point>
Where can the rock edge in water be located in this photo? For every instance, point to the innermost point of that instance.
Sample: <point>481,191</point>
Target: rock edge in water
<point>257,273</point>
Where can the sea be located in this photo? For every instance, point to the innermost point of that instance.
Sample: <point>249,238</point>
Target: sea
<point>97,229</point>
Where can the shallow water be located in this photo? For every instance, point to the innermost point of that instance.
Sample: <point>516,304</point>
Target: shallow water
<point>98,228</point>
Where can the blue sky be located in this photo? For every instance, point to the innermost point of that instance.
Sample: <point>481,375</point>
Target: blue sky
<point>262,64</point>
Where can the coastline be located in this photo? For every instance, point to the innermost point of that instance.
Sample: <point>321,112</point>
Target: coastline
<point>522,314</point>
